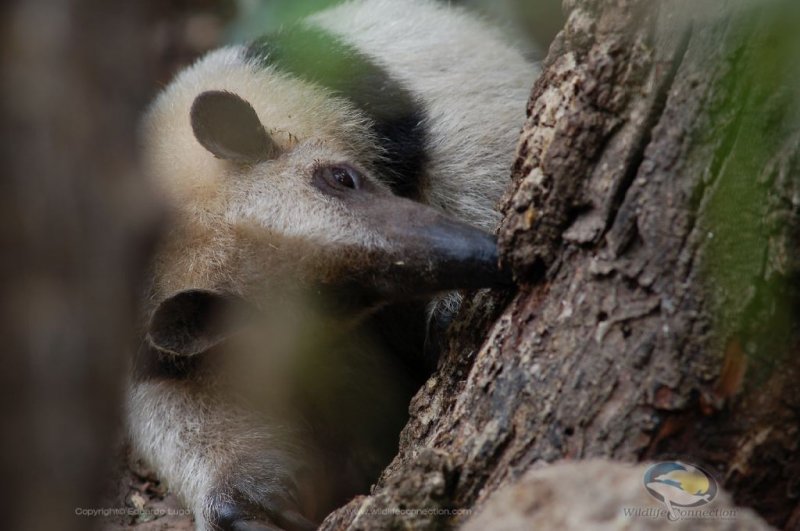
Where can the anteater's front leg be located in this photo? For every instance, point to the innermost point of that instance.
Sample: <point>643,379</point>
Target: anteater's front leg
<point>231,468</point>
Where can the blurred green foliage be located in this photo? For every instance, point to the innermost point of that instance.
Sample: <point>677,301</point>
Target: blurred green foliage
<point>534,21</point>
<point>259,17</point>
<point>749,220</point>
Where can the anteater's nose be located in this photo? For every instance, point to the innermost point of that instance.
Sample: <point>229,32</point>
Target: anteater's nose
<point>462,256</point>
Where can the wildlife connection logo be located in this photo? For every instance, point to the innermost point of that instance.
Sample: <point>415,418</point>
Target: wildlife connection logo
<point>684,490</point>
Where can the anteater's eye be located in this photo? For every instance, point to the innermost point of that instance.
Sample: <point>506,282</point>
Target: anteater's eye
<point>344,176</point>
<point>340,176</point>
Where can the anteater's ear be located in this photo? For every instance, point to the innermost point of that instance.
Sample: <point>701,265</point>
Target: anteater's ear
<point>228,126</point>
<point>193,321</point>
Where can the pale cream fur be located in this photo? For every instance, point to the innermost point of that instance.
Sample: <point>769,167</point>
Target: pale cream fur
<point>473,84</point>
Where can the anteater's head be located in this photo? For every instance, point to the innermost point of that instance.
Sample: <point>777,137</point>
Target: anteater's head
<point>275,182</point>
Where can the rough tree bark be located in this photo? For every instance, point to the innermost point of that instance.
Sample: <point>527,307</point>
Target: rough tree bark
<point>652,225</point>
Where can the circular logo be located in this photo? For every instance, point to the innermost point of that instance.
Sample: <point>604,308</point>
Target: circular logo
<point>678,484</point>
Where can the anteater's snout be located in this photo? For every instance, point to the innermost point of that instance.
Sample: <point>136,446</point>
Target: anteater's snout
<point>430,252</point>
<point>462,256</point>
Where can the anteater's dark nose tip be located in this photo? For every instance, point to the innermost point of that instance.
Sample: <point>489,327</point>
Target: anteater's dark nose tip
<point>497,275</point>
<point>470,258</point>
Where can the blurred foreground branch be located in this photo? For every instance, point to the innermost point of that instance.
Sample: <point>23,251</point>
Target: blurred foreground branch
<point>76,229</point>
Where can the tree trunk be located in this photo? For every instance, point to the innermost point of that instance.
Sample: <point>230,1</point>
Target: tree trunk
<point>76,224</point>
<point>652,225</point>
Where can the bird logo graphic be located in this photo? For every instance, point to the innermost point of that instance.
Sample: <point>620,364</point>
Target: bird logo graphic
<point>678,485</point>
